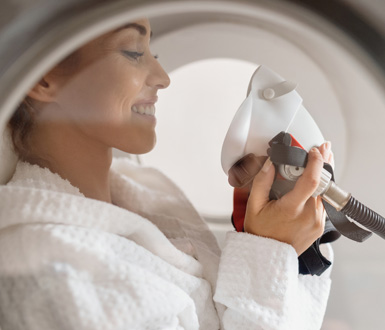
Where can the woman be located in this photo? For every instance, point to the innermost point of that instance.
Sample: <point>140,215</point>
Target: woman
<point>91,243</point>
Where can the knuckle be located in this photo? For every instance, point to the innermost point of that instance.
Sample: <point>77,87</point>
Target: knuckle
<point>311,180</point>
<point>318,157</point>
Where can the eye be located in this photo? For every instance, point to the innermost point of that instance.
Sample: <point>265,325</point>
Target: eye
<point>156,56</point>
<point>132,55</point>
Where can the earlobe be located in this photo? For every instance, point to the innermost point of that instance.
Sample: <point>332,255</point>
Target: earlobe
<point>44,90</point>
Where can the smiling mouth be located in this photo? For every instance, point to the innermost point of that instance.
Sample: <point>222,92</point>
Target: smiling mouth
<point>147,109</point>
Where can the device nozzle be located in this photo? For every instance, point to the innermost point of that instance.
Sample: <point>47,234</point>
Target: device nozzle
<point>335,196</point>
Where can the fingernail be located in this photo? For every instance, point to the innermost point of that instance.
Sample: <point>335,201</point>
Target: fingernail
<point>328,145</point>
<point>266,166</point>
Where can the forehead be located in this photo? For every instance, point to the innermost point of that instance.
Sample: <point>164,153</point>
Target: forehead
<point>141,26</point>
<point>138,30</point>
<point>134,31</point>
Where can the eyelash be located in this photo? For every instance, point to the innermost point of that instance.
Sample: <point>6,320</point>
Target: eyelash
<point>134,55</point>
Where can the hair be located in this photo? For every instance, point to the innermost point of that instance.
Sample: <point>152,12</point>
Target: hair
<point>23,119</point>
<point>20,126</point>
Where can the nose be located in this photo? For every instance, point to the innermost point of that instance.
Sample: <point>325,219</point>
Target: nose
<point>158,77</point>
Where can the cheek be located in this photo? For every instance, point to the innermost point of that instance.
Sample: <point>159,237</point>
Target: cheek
<point>102,92</point>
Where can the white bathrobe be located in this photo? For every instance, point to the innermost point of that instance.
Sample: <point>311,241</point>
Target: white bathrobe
<point>147,262</point>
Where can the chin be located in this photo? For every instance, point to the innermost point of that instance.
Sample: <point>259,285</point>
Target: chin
<point>146,150</point>
<point>143,148</point>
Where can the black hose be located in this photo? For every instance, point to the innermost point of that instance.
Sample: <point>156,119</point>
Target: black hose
<point>365,216</point>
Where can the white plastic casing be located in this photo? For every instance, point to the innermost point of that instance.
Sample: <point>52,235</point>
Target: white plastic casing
<point>272,106</point>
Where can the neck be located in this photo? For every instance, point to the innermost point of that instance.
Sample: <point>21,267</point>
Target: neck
<point>84,162</point>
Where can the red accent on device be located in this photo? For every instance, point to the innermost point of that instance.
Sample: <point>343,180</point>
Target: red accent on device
<point>295,143</point>
<point>240,197</point>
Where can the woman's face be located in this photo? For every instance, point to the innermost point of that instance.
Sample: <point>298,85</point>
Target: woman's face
<point>110,98</point>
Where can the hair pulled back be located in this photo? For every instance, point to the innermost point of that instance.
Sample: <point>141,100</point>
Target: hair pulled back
<point>22,121</point>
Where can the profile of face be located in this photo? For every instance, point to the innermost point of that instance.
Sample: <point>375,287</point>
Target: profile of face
<point>106,96</point>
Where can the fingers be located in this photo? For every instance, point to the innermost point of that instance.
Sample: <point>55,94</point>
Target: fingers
<point>307,183</point>
<point>331,160</point>
<point>314,216</point>
<point>325,150</point>
<point>245,169</point>
<point>259,195</point>
<point>327,154</point>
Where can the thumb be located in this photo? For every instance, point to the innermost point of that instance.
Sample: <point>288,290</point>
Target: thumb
<point>259,195</point>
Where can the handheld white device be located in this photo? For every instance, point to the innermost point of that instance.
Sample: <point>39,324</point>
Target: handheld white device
<point>273,106</point>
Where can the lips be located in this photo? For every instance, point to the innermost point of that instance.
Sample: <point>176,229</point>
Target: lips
<point>145,106</point>
<point>144,109</point>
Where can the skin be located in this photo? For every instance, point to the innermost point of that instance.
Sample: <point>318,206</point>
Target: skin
<point>85,111</point>
<point>297,218</point>
<point>83,115</point>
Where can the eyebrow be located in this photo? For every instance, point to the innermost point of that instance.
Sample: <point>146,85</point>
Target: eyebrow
<point>141,28</point>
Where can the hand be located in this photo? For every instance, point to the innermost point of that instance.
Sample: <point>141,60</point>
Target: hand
<point>242,173</point>
<point>297,218</point>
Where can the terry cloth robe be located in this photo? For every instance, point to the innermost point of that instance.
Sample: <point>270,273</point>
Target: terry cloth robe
<point>147,261</point>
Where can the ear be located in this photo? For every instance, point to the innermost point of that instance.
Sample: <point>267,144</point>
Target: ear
<point>46,89</point>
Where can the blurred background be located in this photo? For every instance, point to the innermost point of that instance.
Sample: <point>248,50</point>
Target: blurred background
<point>334,50</point>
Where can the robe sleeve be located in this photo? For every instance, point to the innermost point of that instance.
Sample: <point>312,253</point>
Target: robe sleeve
<point>259,284</point>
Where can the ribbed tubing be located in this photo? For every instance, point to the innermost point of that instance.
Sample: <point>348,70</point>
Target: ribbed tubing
<point>365,216</point>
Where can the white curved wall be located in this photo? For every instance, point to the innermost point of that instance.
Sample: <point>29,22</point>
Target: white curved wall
<point>338,90</point>
<point>342,96</point>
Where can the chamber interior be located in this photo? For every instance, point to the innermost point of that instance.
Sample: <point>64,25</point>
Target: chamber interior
<point>210,52</point>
